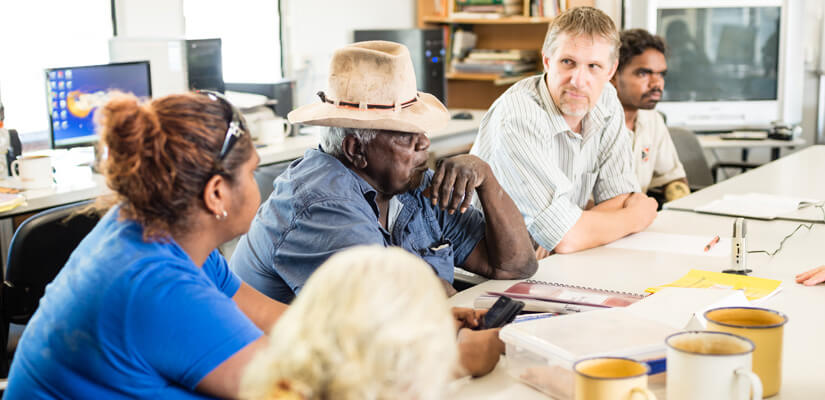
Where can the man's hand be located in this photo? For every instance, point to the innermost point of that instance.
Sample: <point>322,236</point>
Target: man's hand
<point>467,317</point>
<point>812,277</point>
<point>479,351</point>
<point>454,181</point>
<point>643,208</point>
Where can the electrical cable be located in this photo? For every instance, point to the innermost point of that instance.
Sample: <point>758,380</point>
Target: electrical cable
<point>809,226</point>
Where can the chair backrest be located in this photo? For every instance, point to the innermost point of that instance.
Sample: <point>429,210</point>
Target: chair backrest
<point>39,248</point>
<point>692,156</point>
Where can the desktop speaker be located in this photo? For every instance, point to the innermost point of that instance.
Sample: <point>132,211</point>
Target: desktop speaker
<point>426,50</point>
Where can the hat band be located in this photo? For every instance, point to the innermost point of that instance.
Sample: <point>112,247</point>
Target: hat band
<point>364,106</point>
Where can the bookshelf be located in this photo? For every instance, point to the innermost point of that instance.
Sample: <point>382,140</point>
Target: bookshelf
<point>521,32</point>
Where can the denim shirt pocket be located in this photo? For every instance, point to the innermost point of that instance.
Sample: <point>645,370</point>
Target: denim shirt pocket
<point>440,256</point>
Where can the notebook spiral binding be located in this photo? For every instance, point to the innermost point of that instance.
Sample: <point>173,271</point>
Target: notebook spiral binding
<point>639,295</point>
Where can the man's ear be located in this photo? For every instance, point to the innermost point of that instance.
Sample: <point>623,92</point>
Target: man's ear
<point>545,61</point>
<point>354,152</point>
<point>214,196</point>
<point>613,69</point>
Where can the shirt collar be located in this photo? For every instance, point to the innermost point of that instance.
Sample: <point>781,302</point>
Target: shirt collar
<point>556,117</point>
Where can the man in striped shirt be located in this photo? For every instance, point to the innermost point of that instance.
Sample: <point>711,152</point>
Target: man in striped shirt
<point>555,141</point>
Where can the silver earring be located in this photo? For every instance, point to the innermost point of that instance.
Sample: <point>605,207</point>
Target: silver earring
<point>221,216</point>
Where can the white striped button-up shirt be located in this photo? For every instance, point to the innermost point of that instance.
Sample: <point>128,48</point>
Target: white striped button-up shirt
<point>549,171</point>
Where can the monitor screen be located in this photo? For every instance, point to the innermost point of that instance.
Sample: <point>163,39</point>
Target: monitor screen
<point>721,54</point>
<point>74,94</point>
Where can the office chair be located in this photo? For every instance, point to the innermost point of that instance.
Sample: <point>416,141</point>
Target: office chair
<point>699,173</point>
<point>39,248</point>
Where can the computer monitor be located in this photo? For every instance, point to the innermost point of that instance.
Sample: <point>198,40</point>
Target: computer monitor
<point>731,65</point>
<point>74,94</point>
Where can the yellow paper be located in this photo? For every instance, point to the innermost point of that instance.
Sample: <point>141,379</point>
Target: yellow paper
<point>755,288</point>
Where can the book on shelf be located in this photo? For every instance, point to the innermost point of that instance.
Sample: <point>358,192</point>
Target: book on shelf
<point>508,55</point>
<point>487,8</point>
<point>561,298</point>
<point>756,290</point>
<point>500,68</point>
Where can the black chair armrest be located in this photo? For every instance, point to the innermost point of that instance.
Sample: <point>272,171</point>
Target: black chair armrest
<point>732,164</point>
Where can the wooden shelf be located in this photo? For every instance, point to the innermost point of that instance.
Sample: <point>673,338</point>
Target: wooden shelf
<point>514,20</point>
<point>494,78</point>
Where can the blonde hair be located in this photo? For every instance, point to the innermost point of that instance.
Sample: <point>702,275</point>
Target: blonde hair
<point>371,323</point>
<point>582,21</point>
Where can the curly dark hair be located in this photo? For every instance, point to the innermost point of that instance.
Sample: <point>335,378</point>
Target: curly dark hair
<point>161,154</point>
<point>635,42</point>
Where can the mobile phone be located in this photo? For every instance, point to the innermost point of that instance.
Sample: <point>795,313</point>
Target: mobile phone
<point>503,311</point>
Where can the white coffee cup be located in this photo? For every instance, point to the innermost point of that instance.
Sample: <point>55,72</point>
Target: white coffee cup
<point>710,366</point>
<point>272,130</point>
<point>33,171</point>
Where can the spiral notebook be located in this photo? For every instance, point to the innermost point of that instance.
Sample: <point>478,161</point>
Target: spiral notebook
<point>561,298</point>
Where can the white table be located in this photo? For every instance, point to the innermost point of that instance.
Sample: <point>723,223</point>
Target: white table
<point>796,175</point>
<point>714,142</point>
<point>629,270</point>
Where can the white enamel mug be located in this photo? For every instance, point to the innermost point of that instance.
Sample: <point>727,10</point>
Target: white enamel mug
<point>710,366</point>
<point>33,171</point>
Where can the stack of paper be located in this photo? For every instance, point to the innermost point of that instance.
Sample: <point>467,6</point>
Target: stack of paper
<point>754,205</point>
<point>10,201</point>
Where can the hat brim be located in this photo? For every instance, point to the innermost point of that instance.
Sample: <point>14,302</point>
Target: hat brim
<point>425,115</point>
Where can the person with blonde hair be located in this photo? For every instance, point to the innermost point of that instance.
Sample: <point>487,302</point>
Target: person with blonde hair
<point>371,323</point>
<point>556,140</point>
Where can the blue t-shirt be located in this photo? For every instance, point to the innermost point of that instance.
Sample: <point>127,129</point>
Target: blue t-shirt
<point>129,319</point>
<point>319,207</point>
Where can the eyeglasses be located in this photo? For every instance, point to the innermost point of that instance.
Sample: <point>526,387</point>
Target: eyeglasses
<point>237,125</point>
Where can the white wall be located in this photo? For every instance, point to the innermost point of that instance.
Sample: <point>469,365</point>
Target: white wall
<point>149,18</point>
<point>314,29</point>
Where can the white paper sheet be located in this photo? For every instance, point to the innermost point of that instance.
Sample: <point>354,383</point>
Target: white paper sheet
<point>674,243</point>
<point>754,205</point>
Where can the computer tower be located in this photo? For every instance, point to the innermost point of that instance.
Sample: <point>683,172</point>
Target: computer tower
<point>426,50</point>
<point>177,65</point>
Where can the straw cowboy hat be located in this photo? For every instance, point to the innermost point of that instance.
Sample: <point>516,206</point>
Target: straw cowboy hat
<point>372,85</point>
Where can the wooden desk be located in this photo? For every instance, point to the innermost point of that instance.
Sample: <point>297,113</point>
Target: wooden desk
<point>629,270</point>
<point>793,175</point>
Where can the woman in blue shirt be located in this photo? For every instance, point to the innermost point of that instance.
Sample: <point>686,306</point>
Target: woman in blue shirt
<point>146,306</point>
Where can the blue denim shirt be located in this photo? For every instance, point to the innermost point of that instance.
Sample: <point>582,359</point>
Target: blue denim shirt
<point>319,207</point>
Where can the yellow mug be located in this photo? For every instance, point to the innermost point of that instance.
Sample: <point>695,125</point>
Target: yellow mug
<point>764,328</point>
<point>614,378</point>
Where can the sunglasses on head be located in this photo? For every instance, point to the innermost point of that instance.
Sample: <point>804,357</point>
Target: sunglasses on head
<point>237,124</point>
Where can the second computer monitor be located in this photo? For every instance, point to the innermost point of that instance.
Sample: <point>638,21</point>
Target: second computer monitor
<point>75,93</point>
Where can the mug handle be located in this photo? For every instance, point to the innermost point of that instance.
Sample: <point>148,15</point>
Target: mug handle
<point>646,392</point>
<point>756,383</point>
<point>15,168</point>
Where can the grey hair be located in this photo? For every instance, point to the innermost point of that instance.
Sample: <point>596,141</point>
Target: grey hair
<point>333,137</point>
<point>582,21</point>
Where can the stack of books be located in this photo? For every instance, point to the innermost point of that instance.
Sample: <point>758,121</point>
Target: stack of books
<point>487,8</point>
<point>501,62</point>
<point>547,8</point>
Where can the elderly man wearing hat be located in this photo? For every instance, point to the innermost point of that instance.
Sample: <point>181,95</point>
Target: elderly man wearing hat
<point>368,183</point>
